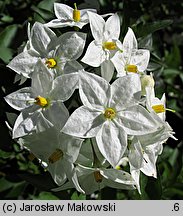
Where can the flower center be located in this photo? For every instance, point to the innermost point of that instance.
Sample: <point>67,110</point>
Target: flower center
<point>98,176</point>
<point>158,108</point>
<point>76,14</point>
<point>41,101</point>
<point>131,68</point>
<point>110,113</point>
<point>51,63</point>
<point>110,45</point>
<point>55,156</point>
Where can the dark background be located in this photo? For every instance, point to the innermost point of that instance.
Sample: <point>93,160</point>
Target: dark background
<point>158,25</point>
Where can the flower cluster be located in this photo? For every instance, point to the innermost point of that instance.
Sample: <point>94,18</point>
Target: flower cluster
<point>117,122</point>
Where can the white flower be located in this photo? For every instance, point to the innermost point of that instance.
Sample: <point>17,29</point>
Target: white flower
<point>109,113</point>
<point>130,59</point>
<point>41,104</point>
<point>155,104</point>
<point>144,150</point>
<point>67,16</point>
<point>104,45</point>
<point>94,179</point>
<point>59,151</point>
<point>58,54</point>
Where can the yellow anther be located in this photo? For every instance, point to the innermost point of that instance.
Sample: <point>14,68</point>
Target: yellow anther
<point>159,108</point>
<point>76,14</point>
<point>98,176</point>
<point>110,113</point>
<point>131,68</point>
<point>55,156</point>
<point>41,101</point>
<point>110,45</point>
<point>118,167</point>
<point>51,63</point>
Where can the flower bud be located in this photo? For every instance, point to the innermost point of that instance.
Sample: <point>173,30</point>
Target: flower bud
<point>146,81</point>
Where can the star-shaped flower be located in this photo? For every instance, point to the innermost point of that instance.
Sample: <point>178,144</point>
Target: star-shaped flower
<point>94,179</point>
<point>67,16</point>
<point>130,59</point>
<point>58,54</point>
<point>104,45</point>
<point>143,152</point>
<point>109,113</point>
<point>59,151</point>
<point>41,104</point>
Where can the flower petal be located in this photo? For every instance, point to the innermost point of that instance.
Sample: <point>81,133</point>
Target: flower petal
<point>27,123</point>
<point>118,179</point>
<point>63,11</point>
<point>57,114</point>
<point>41,80</point>
<point>135,154</point>
<point>93,90</point>
<point>112,142</point>
<point>94,55</point>
<point>64,86</point>
<point>24,63</point>
<point>119,63</point>
<point>140,58</point>
<point>125,91</point>
<point>112,27</point>
<point>129,42</point>
<point>83,122</point>
<point>149,163</point>
<point>41,36</point>
<point>71,45</point>
<point>136,120</point>
<point>71,174</point>
<point>71,146</point>
<point>97,24</point>
<point>107,70</point>
<point>20,99</point>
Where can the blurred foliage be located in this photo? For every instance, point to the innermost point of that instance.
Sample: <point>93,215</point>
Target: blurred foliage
<point>158,26</point>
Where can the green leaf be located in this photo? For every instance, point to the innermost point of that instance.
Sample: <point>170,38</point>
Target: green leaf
<point>16,191</point>
<point>38,179</point>
<point>5,185</point>
<point>46,5</point>
<point>6,155</point>
<point>142,30</point>
<point>143,183</point>
<point>173,193</point>
<point>6,54</point>
<point>153,188</point>
<point>78,196</point>
<point>44,14</point>
<point>7,19</point>
<point>7,35</point>
<point>173,58</point>
<point>45,196</point>
<point>176,162</point>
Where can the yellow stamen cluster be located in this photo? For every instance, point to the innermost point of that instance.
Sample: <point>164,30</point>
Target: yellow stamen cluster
<point>51,63</point>
<point>98,176</point>
<point>110,113</point>
<point>41,101</point>
<point>118,167</point>
<point>55,156</point>
<point>110,45</point>
<point>159,108</point>
<point>76,14</point>
<point>131,68</point>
